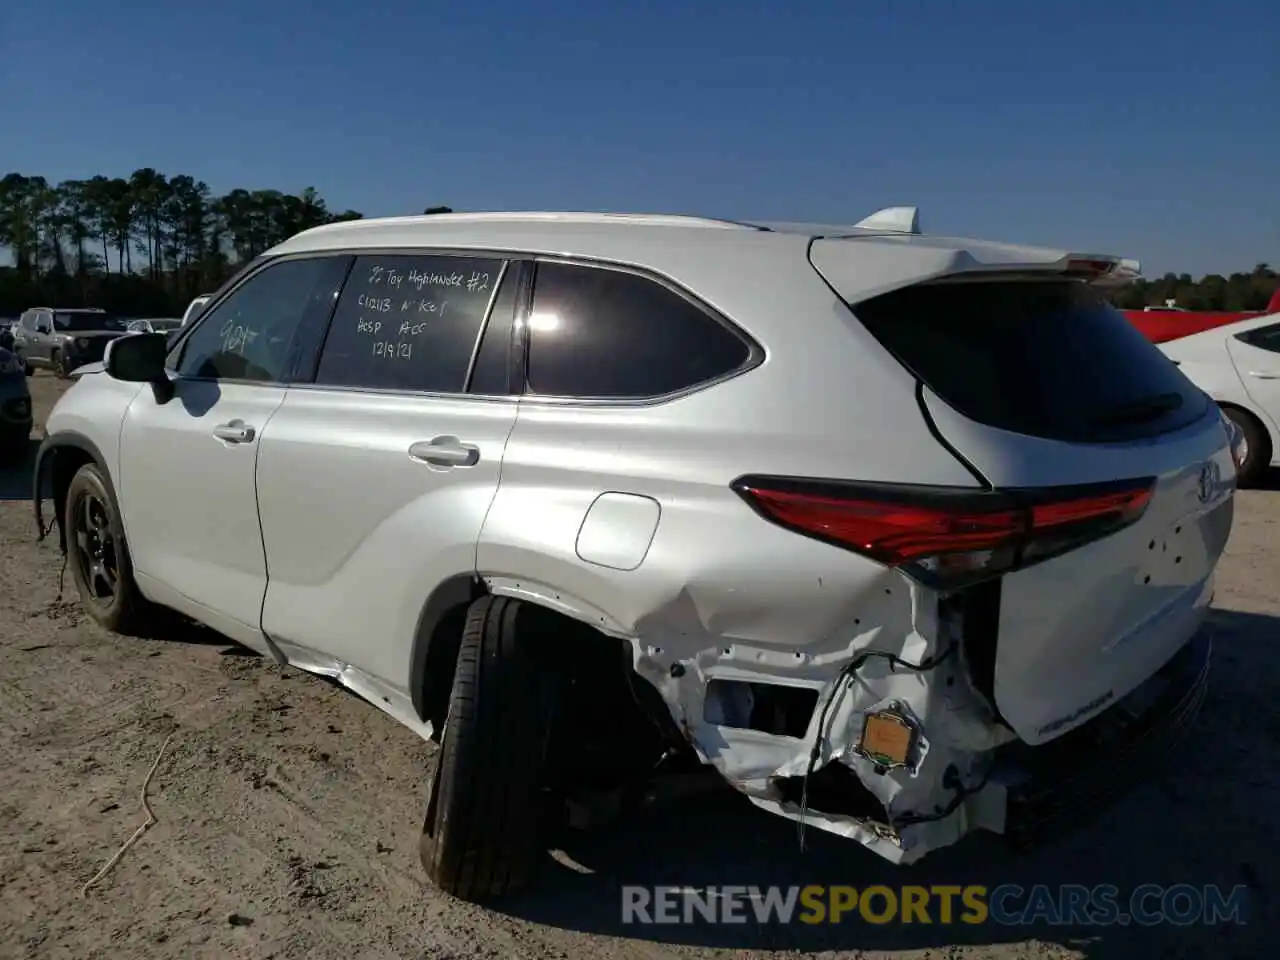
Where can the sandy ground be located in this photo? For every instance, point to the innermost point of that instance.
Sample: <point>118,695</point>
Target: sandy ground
<point>288,811</point>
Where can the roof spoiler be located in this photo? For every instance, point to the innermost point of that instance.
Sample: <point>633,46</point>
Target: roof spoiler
<point>892,220</point>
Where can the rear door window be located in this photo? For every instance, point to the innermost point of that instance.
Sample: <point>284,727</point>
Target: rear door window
<point>408,322</point>
<point>1046,358</point>
<point>603,333</point>
<point>1264,338</point>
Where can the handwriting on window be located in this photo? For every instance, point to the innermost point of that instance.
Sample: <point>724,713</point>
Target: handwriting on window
<point>236,336</point>
<point>473,281</point>
<point>399,304</point>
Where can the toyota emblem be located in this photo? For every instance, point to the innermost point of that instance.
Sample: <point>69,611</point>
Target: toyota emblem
<point>1210,476</point>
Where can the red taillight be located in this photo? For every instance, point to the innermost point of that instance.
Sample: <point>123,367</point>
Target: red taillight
<point>947,534</point>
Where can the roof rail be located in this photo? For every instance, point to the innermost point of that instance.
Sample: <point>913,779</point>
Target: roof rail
<point>892,220</point>
<point>541,216</point>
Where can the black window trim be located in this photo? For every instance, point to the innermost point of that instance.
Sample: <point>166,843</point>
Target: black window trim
<point>484,325</point>
<point>510,260</point>
<point>755,352</point>
<point>242,276</point>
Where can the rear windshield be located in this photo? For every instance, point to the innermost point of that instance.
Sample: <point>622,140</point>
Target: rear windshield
<point>1047,358</point>
<point>86,321</point>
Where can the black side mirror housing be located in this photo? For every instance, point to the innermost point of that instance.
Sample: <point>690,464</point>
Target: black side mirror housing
<point>139,358</point>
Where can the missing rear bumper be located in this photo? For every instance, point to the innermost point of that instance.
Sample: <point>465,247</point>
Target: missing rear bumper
<point>1065,784</point>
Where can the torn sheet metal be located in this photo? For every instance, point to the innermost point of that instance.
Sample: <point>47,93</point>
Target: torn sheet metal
<point>944,730</point>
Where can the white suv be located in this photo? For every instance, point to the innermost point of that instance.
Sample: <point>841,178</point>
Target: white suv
<point>906,536</point>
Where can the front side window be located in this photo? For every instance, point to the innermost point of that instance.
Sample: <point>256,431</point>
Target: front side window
<point>602,333</point>
<point>251,333</point>
<point>408,322</point>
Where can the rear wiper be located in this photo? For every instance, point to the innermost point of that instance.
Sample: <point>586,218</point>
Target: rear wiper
<point>1139,411</point>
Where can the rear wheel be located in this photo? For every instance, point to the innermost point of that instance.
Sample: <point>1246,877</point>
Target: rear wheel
<point>1257,447</point>
<point>480,837</point>
<point>98,555</point>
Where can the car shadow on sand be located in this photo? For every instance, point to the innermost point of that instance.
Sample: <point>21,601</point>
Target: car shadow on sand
<point>1188,827</point>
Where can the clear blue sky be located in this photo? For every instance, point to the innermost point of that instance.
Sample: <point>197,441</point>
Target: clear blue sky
<point>1148,128</point>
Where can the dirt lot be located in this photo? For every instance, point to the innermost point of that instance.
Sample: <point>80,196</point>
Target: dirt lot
<point>288,811</point>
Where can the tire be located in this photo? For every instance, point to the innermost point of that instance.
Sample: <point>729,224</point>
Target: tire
<point>125,610</point>
<point>480,837</point>
<point>1258,455</point>
<point>61,364</point>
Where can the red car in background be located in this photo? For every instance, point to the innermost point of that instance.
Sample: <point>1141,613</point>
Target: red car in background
<point>1161,324</point>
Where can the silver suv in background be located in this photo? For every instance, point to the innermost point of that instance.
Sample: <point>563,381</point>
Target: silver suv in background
<point>827,508</point>
<point>62,339</point>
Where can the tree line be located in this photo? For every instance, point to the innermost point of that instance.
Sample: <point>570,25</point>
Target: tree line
<point>147,243</point>
<point>143,244</point>
<point>1239,291</point>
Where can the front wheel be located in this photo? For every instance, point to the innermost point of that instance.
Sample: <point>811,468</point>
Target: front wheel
<point>62,364</point>
<point>480,837</point>
<point>98,555</point>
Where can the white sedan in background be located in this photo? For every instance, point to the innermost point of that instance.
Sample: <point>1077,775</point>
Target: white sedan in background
<point>155,325</point>
<point>1239,366</point>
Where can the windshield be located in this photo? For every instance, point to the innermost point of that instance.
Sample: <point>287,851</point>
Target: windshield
<point>77,322</point>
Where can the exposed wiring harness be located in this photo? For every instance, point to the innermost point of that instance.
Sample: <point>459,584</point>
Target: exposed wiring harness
<point>962,792</point>
<point>843,679</point>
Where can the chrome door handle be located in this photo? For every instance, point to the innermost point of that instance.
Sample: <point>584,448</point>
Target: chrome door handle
<point>237,431</point>
<point>445,452</point>
<point>1264,376</point>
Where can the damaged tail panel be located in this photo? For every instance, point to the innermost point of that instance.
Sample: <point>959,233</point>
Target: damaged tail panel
<point>829,579</point>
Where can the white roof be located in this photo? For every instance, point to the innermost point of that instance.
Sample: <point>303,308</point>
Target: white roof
<point>648,238</point>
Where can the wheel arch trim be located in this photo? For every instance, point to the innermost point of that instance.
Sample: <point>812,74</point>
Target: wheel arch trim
<point>46,457</point>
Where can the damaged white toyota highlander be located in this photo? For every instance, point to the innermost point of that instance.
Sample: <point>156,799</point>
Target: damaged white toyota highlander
<point>904,537</point>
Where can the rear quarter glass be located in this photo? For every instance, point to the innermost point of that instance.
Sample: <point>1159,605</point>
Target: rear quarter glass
<point>1044,358</point>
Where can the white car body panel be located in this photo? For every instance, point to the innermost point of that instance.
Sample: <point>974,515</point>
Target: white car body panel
<point>94,408</point>
<point>339,494</point>
<point>1234,372</point>
<point>204,552</point>
<point>1057,655</point>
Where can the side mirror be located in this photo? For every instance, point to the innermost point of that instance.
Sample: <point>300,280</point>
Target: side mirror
<point>139,358</point>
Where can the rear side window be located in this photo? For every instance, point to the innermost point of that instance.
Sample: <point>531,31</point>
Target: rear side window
<point>602,333</point>
<point>1045,358</point>
<point>1264,338</point>
<point>408,322</point>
